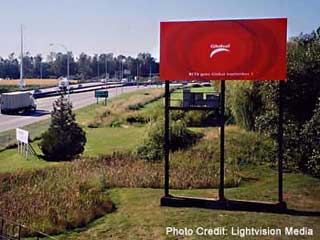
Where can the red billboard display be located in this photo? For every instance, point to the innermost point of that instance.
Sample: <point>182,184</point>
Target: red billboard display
<point>250,49</point>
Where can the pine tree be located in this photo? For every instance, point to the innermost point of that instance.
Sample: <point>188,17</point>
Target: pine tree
<point>64,140</point>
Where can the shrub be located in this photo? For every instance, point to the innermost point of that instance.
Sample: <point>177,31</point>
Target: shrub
<point>64,139</point>
<point>244,148</point>
<point>311,137</point>
<point>244,101</point>
<point>180,137</point>
<point>134,107</point>
<point>137,118</point>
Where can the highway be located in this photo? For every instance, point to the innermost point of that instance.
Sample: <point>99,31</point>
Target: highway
<point>44,107</point>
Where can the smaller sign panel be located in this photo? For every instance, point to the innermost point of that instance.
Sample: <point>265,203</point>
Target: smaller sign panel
<point>126,72</point>
<point>101,93</point>
<point>22,135</point>
<point>246,49</point>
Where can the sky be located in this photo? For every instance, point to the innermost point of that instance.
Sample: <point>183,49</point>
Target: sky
<point>129,26</point>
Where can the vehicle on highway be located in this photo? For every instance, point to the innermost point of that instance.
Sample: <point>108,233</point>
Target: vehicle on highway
<point>63,84</point>
<point>80,86</point>
<point>37,91</point>
<point>16,102</point>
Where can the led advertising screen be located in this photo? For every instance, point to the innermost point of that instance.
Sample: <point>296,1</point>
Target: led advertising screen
<point>251,49</point>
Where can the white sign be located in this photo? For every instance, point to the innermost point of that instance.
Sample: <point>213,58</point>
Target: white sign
<point>22,135</point>
<point>126,72</point>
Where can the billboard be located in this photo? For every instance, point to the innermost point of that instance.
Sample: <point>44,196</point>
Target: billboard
<point>250,49</point>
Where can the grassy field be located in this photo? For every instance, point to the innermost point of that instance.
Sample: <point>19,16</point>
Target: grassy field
<point>139,215</point>
<point>33,81</point>
<point>99,140</point>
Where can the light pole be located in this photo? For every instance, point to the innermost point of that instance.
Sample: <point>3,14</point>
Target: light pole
<point>98,66</point>
<point>68,63</point>
<point>122,61</point>
<point>68,60</point>
<point>106,68</point>
<point>41,68</point>
<point>22,82</point>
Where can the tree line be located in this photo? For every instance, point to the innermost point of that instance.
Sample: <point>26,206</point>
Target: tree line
<point>82,67</point>
<point>254,104</point>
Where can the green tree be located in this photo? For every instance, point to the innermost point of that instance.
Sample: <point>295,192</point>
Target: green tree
<point>64,139</point>
<point>300,95</point>
<point>244,101</point>
<point>311,150</point>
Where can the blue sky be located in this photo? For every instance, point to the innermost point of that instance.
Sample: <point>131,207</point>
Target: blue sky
<point>129,27</point>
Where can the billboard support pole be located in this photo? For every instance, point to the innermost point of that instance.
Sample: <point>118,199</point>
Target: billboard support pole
<point>222,106</point>
<point>166,139</point>
<point>280,146</point>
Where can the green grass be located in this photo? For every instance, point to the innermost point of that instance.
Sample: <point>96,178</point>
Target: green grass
<point>35,130</point>
<point>139,215</point>
<point>99,140</point>
<point>106,140</point>
<point>11,160</point>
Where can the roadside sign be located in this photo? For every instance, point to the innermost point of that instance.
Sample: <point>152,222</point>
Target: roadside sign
<point>250,49</point>
<point>126,72</point>
<point>101,93</point>
<point>22,135</point>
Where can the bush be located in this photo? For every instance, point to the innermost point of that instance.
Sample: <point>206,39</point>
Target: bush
<point>180,137</point>
<point>244,101</point>
<point>64,139</point>
<point>246,148</point>
<point>311,138</point>
<point>137,118</point>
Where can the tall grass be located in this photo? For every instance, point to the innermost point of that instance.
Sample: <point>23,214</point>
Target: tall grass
<point>54,199</point>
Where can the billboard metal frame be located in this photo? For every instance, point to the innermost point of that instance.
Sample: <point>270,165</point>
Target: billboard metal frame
<point>222,202</point>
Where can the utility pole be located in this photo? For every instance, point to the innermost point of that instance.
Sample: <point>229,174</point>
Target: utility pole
<point>138,74</point>
<point>22,83</point>
<point>41,69</point>
<point>68,56</point>
<point>150,75</point>
<point>106,62</point>
<point>106,68</point>
<point>68,63</point>
<point>98,69</point>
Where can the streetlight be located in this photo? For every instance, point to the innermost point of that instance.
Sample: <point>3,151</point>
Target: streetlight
<point>122,62</point>
<point>22,82</point>
<point>68,61</point>
<point>98,66</point>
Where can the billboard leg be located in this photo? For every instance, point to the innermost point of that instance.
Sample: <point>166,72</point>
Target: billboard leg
<point>280,146</point>
<point>222,106</point>
<point>166,139</point>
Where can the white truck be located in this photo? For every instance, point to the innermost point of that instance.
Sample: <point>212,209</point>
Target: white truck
<point>63,84</point>
<point>16,102</point>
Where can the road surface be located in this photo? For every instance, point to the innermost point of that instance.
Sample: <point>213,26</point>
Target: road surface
<point>44,107</point>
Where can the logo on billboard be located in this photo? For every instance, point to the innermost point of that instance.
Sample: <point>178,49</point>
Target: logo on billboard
<point>216,48</point>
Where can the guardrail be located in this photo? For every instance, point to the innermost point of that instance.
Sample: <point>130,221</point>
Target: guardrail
<point>76,90</point>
